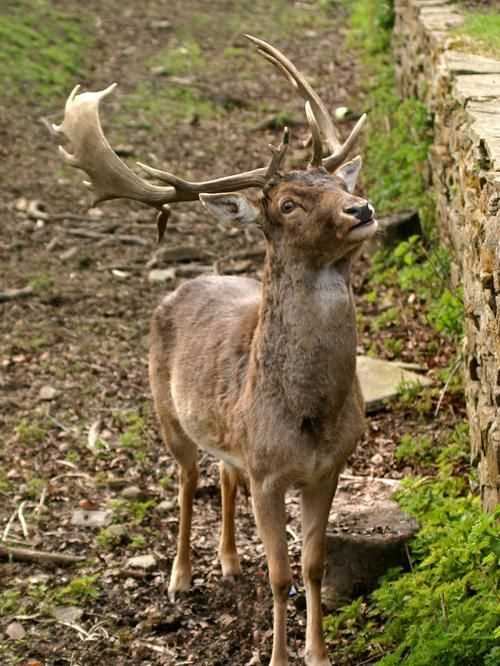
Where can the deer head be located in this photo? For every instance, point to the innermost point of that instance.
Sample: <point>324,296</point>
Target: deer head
<point>313,208</point>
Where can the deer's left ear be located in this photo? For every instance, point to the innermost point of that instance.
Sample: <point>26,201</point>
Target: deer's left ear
<point>349,173</point>
<point>230,207</point>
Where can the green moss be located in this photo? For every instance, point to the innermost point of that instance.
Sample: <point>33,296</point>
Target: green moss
<point>41,49</point>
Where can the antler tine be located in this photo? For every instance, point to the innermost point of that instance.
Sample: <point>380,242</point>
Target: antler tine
<point>318,110</point>
<point>110,178</point>
<point>316,159</point>
<point>278,155</point>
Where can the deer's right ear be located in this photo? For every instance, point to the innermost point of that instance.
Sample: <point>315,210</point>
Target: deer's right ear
<point>232,207</point>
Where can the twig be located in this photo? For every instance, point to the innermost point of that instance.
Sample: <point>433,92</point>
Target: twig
<point>22,520</point>
<point>41,501</point>
<point>453,370</point>
<point>9,525</point>
<point>381,479</point>
<point>99,235</point>
<point>12,294</point>
<point>30,555</point>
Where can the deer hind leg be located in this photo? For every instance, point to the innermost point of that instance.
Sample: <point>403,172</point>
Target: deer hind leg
<point>316,503</point>
<point>185,453</point>
<point>228,555</point>
<point>269,509</point>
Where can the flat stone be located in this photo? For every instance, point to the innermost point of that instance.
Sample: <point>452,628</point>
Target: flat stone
<point>84,518</point>
<point>468,63</point>
<point>142,562</point>
<point>366,536</point>
<point>381,380</point>
<point>476,86</point>
<point>485,123</point>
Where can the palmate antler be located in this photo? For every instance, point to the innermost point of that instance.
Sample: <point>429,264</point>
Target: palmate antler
<point>111,178</point>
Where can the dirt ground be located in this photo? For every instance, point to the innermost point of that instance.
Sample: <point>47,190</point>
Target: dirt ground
<point>76,423</point>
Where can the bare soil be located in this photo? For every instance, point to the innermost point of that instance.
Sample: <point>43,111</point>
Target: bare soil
<point>83,333</point>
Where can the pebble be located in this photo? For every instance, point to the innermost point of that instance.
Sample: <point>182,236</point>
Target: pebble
<point>142,562</point>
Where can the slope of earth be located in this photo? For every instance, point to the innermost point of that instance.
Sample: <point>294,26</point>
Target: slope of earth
<point>77,430</point>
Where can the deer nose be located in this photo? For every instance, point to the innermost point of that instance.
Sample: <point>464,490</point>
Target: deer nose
<point>363,212</point>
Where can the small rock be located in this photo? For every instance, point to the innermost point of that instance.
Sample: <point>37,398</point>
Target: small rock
<point>47,393</point>
<point>124,150</point>
<point>162,275</point>
<point>161,24</point>
<point>131,492</point>
<point>117,531</point>
<point>84,518</point>
<point>166,506</point>
<point>69,614</point>
<point>377,459</point>
<point>142,562</point>
<point>15,631</point>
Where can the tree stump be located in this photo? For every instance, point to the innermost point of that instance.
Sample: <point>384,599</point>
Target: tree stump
<point>367,536</point>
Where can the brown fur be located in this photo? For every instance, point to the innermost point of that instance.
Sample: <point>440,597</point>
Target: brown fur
<point>264,377</point>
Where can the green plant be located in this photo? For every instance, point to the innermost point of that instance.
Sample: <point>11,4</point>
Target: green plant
<point>78,590</point>
<point>35,487</point>
<point>9,601</point>
<point>132,437</point>
<point>385,319</point>
<point>415,450</point>
<point>138,542</point>
<point>136,510</point>
<point>30,433</point>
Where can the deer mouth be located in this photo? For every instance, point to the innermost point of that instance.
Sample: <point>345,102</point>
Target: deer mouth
<point>363,230</point>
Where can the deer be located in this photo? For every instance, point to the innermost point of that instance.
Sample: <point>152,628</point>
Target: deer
<point>260,374</point>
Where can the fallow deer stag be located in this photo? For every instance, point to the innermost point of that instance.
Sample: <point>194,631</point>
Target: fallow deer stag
<point>261,375</point>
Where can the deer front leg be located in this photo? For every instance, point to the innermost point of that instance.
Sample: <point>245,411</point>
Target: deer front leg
<point>269,509</point>
<point>180,577</point>
<point>228,555</point>
<point>316,503</point>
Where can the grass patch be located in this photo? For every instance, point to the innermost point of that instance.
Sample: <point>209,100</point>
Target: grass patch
<point>480,33</point>
<point>41,50</point>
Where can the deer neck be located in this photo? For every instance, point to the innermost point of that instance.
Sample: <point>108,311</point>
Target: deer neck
<point>305,344</point>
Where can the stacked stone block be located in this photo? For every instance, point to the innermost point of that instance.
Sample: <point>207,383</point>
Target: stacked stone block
<point>463,92</point>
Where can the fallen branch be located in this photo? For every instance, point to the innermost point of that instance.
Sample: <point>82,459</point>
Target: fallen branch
<point>99,235</point>
<point>12,294</point>
<point>30,555</point>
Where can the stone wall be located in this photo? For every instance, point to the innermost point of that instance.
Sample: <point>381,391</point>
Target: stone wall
<point>463,92</point>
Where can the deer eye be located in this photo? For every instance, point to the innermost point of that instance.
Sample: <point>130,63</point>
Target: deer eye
<point>287,206</point>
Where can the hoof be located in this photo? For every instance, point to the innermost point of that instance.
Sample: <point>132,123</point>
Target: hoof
<point>231,568</point>
<point>180,581</point>
<point>312,660</point>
